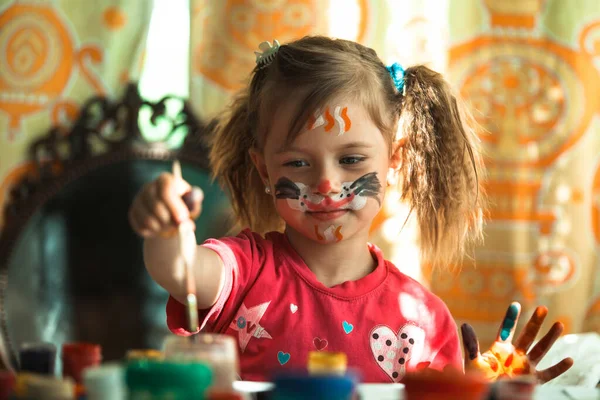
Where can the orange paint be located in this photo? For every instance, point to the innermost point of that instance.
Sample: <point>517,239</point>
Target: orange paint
<point>347,121</point>
<point>330,120</point>
<point>338,233</point>
<point>311,122</point>
<point>319,236</point>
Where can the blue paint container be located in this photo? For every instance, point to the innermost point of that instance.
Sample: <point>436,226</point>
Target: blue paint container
<point>37,357</point>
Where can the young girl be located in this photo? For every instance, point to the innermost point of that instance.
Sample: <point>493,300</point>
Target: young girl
<point>306,152</point>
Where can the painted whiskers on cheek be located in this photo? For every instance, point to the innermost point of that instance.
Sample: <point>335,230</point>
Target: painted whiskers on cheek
<point>353,195</point>
<point>367,185</point>
<point>286,189</point>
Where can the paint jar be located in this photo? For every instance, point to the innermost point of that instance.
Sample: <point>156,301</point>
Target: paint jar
<point>144,354</point>
<point>7,384</point>
<point>43,387</point>
<point>105,382</point>
<point>314,387</point>
<point>217,351</point>
<point>162,380</point>
<point>224,396</point>
<point>76,357</point>
<point>519,388</point>
<point>450,384</point>
<point>37,358</point>
<point>327,363</point>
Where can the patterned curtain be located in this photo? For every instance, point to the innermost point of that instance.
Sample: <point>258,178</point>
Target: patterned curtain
<point>54,55</point>
<point>531,71</point>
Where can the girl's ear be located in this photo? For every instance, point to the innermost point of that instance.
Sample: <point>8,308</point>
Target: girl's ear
<point>395,161</point>
<point>396,157</point>
<point>259,162</point>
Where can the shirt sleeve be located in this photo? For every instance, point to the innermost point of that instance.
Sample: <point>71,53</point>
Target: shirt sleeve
<point>243,256</point>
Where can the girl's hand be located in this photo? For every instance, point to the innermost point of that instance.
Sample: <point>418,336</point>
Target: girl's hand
<point>505,359</point>
<point>163,204</point>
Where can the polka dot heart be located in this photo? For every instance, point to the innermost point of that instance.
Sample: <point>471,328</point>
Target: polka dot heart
<point>394,351</point>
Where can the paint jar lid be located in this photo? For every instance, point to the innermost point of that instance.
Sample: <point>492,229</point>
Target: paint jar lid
<point>324,362</point>
<point>41,387</point>
<point>168,378</point>
<point>82,350</point>
<point>144,354</point>
<point>315,387</point>
<point>105,382</point>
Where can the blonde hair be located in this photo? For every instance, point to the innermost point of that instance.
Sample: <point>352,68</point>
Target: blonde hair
<point>441,163</point>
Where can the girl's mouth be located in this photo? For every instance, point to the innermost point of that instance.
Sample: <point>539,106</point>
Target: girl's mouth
<point>327,215</point>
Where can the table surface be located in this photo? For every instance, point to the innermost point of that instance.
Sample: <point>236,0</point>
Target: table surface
<point>545,392</point>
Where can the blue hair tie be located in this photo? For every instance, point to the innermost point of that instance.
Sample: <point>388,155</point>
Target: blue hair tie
<point>397,73</point>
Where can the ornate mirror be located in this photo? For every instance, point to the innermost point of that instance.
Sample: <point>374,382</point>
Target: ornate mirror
<point>71,268</point>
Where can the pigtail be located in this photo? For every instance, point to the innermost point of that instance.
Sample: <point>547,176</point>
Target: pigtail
<point>441,168</point>
<point>232,165</point>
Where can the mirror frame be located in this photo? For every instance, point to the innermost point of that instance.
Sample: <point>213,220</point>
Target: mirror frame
<point>105,132</point>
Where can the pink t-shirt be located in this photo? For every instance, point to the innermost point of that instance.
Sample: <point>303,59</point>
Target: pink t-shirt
<point>272,303</point>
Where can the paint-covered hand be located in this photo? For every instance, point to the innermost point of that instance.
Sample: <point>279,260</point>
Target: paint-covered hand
<point>505,359</point>
<point>163,204</point>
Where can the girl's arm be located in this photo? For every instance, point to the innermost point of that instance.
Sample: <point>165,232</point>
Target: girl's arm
<point>165,265</point>
<point>156,212</point>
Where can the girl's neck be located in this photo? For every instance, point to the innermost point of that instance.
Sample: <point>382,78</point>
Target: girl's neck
<point>334,263</point>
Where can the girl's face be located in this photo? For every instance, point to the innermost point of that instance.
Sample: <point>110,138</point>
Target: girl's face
<point>328,184</point>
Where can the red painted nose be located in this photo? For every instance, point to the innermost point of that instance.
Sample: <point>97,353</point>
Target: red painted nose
<point>324,187</point>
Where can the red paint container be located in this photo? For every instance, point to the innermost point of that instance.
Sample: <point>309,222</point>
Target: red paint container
<point>447,385</point>
<point>7,384</point>
<point>78,356</point>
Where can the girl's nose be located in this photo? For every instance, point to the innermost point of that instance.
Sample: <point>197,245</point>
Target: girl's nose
<point>326,187</point>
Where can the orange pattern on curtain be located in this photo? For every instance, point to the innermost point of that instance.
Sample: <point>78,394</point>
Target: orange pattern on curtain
<point>54,55</point>
<point>225,34</point>
<point>537,102</point>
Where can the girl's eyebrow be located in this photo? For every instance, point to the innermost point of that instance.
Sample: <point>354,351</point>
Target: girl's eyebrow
<point>353,145</point>
<point>346,146</point>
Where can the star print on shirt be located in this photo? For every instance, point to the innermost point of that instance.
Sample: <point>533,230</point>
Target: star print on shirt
<point>246,322</point>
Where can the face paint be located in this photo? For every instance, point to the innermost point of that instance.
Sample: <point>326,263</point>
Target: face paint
<point>331,234</point>
<point>352,197</point>
<point>286,189</point>
<point>469,340</point>
<point>340,115</point>
<point>509,322</point>
<point>324,187</point>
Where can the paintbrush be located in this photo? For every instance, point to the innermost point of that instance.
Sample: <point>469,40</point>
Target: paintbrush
<point>187,246</point>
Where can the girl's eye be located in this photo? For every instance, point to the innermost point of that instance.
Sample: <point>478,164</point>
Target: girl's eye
<point>296,164</point>
<point>351,160</point>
